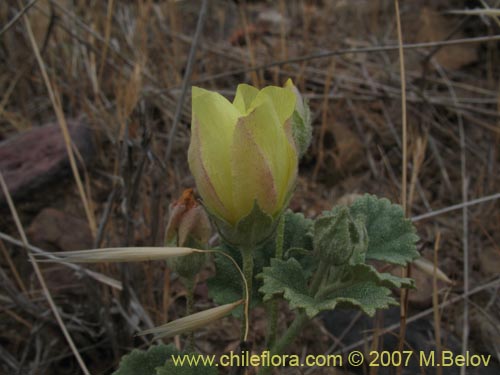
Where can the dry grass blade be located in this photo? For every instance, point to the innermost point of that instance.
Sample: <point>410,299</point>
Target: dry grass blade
<point>17,17</point>
<point>120,254</point>
<point>477,12</point>
<point>186,79</point>
<point>93,274</point>
<point>404,202</point>
<point>191,322</point>
<point>456,207</point>
<point>346,51</point>
<point>428,268</point>
<point>435,301</point>
<point>40,278</point>
<point>56,103</point>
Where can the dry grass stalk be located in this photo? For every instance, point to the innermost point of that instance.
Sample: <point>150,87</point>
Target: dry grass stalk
<point>120,254</point>
<point>40,278</point>
<point>435,303</point>
<point>54,97</point>
<point>405,272</point>
<point>13,268</point>
<point>191,322</point>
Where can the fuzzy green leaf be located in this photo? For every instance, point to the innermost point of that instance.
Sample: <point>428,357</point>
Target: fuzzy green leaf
<point>364,295</point>
<point>298,231</point>
<point>363,288</point>
<point>391,237</point>
<point>287,278</point>
<point>145,362</point>
<point>385,279</point>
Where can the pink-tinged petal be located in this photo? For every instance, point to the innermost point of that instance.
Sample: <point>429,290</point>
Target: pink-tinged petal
<point>252,176</point>
<point>203,182</point>
<point>269,133</point>
<point>215,118</point>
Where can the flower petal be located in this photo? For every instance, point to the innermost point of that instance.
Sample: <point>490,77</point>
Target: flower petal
<point>214,119</point>
<point>273,163</point>
<point>205,187</point>
<point>245,94</point>
<point>283,101</point>
<point>252,175</point>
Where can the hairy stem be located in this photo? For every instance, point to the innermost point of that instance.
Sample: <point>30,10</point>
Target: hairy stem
<point>247,257</point>
<point>278,348</point>
<point>318,278</point>
<point>300,320</point>
<point>273,304</point>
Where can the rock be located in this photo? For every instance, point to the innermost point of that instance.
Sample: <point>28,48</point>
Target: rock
<point>33,159</point>
<point>56,230</point>
<point>431,25</point>
<point>489,260</point>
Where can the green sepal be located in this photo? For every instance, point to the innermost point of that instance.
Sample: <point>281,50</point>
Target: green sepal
<point>145,362</point>
<point>391,236</point>
<point>250,231</point>
<point>302,129</point>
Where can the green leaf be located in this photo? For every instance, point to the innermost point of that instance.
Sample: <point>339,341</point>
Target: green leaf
<point>298,231</point>
<point>171,369</point>
<point>226,286</point>
<point>363,288</point>
<point>364,295</point>
<point>287,278</point>
<point>145,362</point>
<point>385,279</point>
<point>391,237</point>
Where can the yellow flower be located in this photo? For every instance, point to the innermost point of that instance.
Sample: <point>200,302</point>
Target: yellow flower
<point>242,153</point>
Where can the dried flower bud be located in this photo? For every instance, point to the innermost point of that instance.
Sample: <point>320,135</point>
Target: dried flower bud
<point>188,225</point>
<point>188,222</point>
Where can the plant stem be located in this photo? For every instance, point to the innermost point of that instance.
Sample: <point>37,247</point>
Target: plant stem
<point>280,238</point>
<point>273,304</point>
<point>190,284</point>
<point>300,320</point>
<point>247,258</point>
<point>318,278</point>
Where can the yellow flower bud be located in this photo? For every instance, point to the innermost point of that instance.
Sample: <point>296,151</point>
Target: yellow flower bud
<point>243,153</point>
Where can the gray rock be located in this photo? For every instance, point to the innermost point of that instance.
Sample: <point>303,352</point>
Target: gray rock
<point>36,158</point>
